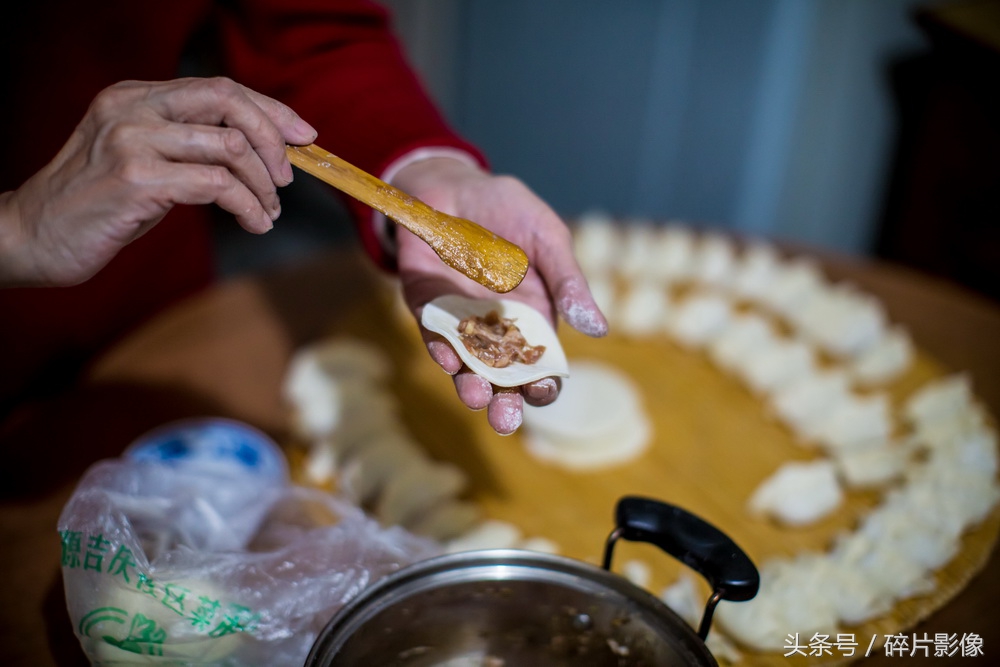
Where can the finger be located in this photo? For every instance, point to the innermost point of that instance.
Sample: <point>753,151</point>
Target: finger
<point>473,390</point>
<point>504,413</point>
<point>568,287</point>
<point>441,352</point>
<point>293,128</point>
<point>577,307</point>
<point>225,147</point>
<point>222,101</point>
<point>426,279</point>
<point>208,184</point>
<point>542,392</point>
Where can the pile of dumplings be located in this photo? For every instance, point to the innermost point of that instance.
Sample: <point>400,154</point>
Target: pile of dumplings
<point>821,357</point>
<point>347,421</point>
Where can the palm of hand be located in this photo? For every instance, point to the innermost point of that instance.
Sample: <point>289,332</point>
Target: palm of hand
<point>553,285</point>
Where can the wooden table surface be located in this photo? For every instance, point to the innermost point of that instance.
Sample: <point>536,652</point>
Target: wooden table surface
<point>224,353</point>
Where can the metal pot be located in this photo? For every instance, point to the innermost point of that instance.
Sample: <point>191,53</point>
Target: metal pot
<point>507,608</point>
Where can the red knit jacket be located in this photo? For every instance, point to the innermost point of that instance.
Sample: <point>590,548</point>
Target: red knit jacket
<point>334,61</point>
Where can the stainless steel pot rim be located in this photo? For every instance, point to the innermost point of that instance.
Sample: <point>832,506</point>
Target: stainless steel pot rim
<point>498,566</point>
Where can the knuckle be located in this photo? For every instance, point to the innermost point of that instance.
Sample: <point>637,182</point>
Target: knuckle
<point>222,87</point>
<point>218,178</point>
<point>135,173</point>
<point>110,101</point>
<point>118,137</point>
<point>234,142</point>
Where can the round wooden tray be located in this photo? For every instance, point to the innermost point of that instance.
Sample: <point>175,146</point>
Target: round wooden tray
<point>712,445</point>
<point>713,442</point>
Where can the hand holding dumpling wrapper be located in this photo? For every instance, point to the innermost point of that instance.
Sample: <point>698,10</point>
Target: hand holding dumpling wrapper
<point>194,548</point>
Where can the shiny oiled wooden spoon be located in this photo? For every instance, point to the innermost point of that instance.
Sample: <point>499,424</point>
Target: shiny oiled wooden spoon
<point>480,254</point>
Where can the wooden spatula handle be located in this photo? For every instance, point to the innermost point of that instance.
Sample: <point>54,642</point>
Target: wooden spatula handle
<point>462,244</point>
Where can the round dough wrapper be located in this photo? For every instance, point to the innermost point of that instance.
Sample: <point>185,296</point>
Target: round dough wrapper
<point>596,452</point>
<point>598,399</point>
<point>443,315</point>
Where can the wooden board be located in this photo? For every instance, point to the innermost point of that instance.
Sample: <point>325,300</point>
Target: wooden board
<point>713,444</point>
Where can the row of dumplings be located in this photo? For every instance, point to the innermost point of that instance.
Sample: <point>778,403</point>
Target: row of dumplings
<point>634,270</point>
<point>896,548</point>
<point>817,354</point>
<point>777,325</point>
<point>348,421</point>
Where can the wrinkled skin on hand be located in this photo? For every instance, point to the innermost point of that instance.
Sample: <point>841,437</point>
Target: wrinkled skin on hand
<point>142,148</point>
<point>554,285</point>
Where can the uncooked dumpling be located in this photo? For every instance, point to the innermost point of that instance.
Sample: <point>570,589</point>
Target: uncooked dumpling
<point>798,494</point>
<point>443,315</point>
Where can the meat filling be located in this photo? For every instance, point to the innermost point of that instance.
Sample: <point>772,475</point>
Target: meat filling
<point>496,341</point>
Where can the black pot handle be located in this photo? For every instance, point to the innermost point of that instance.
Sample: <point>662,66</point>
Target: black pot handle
<point>691,540</point>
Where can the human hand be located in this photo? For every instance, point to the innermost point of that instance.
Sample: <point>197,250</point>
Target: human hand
<point>554,284</point>
<point>142,148</point>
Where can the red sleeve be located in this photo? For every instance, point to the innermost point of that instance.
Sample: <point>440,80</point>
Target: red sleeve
<point>339,66</point>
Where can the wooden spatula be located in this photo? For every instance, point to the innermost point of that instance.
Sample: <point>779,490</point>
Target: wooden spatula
<point>480,254</point>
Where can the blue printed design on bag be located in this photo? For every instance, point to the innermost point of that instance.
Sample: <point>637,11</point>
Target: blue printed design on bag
<point>215,443</point>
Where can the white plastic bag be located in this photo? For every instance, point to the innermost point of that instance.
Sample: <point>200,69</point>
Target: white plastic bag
<point>194,549</point>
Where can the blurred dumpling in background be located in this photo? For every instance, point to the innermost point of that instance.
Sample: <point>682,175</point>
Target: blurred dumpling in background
<point>745,337</point>
<point>842,321</point>
<point>672,254</point>
<point>755,270</point>
<point>776,364</point>
<point>885,360</point>
<point>644,309</point>
<point>636,254</point>
<point>698,318</point>
<point>597,243</point>
<point>795,284</point>
<point>798,493</point>
<point>803,403</point>
<point>714,260</point>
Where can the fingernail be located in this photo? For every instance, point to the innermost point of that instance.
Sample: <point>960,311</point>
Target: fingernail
<point>505,413</point>
<point>287,173</point>
<point>541,390</point>
<point>307,130</point>
<point>469,386</point>
<point>442,354</point>
<point>582,314</point>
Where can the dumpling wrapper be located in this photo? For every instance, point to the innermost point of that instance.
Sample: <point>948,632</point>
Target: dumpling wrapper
<point>443,315</point>
<point>598,420</point>
<point>594,453</point>
<point>598,401</point>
